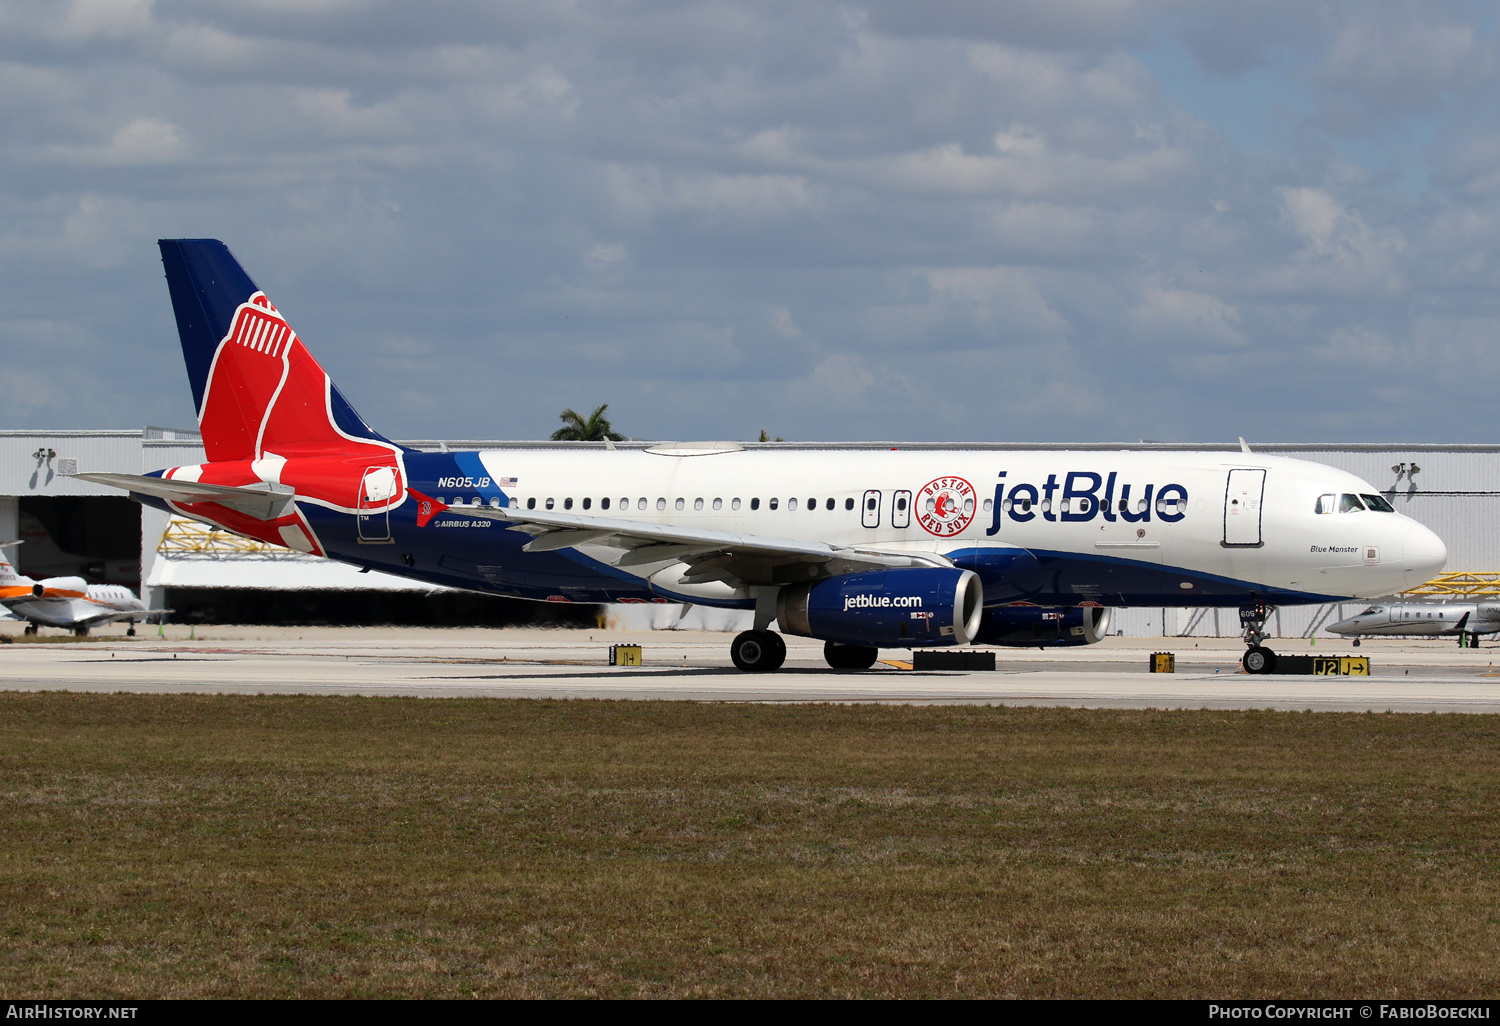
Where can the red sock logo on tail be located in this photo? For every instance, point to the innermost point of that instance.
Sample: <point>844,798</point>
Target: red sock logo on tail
<point>266,394</point>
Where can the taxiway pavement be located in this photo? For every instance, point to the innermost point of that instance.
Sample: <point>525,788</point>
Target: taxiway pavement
<point>1409,676</point>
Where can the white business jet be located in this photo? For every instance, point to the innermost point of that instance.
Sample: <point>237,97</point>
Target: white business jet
<point>70,603</point>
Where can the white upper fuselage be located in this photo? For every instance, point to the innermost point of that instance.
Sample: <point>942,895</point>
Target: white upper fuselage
<point>1277,540</point>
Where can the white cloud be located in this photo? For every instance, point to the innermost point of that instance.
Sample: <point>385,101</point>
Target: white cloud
<point>1342,254</point>
<point>1186,317</point>
<point>720,214</point>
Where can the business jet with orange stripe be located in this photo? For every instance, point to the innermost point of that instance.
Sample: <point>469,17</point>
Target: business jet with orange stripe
<point>70,603</point>
<point>862,549</point>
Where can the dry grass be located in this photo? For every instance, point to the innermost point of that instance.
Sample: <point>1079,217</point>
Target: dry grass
<point>282,846</point>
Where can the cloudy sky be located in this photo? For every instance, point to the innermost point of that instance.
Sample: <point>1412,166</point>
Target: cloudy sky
<point>948,220</point>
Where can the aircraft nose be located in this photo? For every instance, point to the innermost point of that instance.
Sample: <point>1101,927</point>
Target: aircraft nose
<point>1423,555</point>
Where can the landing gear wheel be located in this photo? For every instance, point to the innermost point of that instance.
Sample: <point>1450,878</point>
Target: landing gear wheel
<point>130,631</point>
<point>1259,660</point>
<point>30,629</point>
<point>849,657</point>
<point>1356,642</point>
<point>81,632</point>
<point>758,651</point>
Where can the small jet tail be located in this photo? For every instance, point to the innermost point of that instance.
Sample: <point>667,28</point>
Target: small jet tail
<point>257,388</point>
<point>9,578</point>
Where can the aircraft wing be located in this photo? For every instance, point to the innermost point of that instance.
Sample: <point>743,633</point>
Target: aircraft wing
<point>263,501</point>
<point>709,555</point>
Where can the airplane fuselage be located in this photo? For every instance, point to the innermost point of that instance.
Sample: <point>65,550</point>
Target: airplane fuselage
<point>1050,527</point>
<point>1421,619</point>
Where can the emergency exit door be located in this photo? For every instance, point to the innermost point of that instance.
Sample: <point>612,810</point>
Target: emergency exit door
<point>376,489</point>
<point>1242,504</point>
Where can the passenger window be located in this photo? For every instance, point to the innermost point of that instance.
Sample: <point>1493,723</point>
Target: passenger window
<point>772,504</point>
<point>989,504</point>
<point>734,504</point>
<point>697,503</point>
<point>849,503</point>
<point>530,503</point>
<point>812,504</point>
<point>1377,503</point>
<point>625,504</point>
<point>1350,503</point>
<point>680,503</point>
<point>830,504</point>
<point>870,503</point>
<point>790,504</point>
<point>718,504</point>
<point>568,502</point>
<point>604,502</point>
<point>661,503</point>
<point>1327,503</point>
<point>549,503</point>
<point>640,503</point>
<point>587,503</point>
<point>755,504</point>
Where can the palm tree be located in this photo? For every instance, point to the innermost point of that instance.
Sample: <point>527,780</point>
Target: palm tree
<point>595,429</point>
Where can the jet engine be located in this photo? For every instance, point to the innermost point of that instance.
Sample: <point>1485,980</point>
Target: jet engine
<point>1044,626</point>
<point>59,587</point>
<point>903,608</point>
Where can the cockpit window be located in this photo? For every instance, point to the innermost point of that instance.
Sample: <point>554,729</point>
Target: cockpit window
<point>1350,503</point>
<point>1328,503</point>
<point>1377,503</point>
<point>1373,609</point>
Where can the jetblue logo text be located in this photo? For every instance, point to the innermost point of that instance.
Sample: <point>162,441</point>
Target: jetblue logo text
<point>1082,496</point>
<point>882,602</point>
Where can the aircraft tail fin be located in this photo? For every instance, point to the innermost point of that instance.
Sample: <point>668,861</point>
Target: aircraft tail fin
<point>257,387</point>
<point>9,577</point>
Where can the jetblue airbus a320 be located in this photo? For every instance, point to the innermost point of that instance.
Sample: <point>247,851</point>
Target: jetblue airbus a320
<point>861,549</point>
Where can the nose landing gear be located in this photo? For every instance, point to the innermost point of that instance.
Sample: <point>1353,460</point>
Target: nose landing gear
<point>1257,658</point>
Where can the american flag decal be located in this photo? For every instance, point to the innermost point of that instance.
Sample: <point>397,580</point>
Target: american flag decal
<point>508,482</point>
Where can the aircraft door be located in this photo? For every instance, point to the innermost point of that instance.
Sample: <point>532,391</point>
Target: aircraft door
<point>870,511</point>
<point>901,509</point>
<point>376,489</point>
<point>1242,502</point>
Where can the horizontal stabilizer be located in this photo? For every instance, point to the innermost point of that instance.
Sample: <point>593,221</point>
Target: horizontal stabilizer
<point>262,501</point>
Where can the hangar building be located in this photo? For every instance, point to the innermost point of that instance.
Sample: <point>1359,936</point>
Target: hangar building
<point>76,527</point>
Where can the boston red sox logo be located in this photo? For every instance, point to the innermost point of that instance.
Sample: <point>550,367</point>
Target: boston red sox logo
<point>945,506</point>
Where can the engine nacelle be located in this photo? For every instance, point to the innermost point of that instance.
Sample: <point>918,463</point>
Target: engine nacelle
<point>1044,626</point>
<point>60,587</point>
<point>903,608</point>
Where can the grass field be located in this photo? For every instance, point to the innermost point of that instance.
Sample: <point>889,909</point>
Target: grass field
<point>283,846</point>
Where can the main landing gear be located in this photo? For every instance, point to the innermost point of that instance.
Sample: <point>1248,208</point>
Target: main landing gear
<point>849,657</point>
<point>1257,658</point>
<point>764,651</point>
<point>758,651</point>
